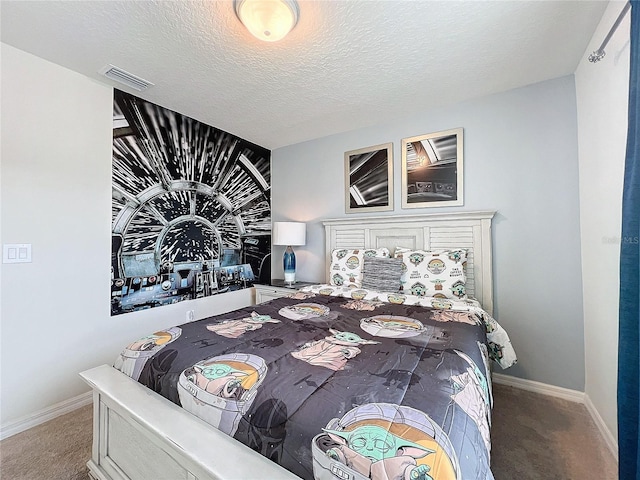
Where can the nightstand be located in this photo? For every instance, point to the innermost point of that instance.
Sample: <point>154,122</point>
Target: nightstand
<point>276,289</point>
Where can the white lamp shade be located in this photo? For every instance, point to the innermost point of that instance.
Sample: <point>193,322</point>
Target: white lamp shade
<point>268,20</point>
<point>289,233</point>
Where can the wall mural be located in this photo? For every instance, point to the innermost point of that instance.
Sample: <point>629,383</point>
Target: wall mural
<point>191,208</point>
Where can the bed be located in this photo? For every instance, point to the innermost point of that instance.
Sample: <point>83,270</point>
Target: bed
<point>337,381</point>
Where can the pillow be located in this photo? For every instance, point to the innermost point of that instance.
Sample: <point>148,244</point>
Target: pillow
<point>382,274</point>
<point>346,265</point>
<point>433,273</point>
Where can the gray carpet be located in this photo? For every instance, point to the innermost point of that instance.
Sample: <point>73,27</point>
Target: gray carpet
<point>534,437</point>
<point>56,450</point>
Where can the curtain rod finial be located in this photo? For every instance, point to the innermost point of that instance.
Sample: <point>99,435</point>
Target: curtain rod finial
<point>596,56</point>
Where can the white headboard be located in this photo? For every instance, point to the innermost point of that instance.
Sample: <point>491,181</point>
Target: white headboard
<point>433,231</point>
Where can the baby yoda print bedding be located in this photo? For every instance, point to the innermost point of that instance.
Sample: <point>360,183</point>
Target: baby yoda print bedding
<point>336,383</point>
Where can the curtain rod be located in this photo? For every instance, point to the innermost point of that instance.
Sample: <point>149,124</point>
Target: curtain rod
<point>597,55</point>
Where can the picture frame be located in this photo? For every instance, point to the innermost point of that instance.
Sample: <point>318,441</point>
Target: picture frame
<point>432,170</point>
<point>369,179</point>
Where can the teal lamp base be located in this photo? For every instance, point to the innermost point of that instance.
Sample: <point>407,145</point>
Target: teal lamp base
<point>289,266</point>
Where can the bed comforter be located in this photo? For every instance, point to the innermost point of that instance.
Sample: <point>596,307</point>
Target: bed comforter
<point>336,383</point>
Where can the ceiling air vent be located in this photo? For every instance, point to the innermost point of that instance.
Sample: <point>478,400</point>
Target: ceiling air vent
<point>126,78</point>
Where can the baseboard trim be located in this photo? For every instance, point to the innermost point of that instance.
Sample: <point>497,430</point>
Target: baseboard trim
<point>567,394</point>
<point>538,387</point>
<point>28,421</point>
<point>604,430</point>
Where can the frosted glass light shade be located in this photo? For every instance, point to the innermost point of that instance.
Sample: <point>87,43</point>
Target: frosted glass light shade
<point>267,20</point>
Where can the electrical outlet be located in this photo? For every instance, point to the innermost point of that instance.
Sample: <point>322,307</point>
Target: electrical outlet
<point>191,315</point>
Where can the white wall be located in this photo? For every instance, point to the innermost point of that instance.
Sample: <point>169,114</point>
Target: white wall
<point>521,159</point>
<point>56,194</point>
<point>602,96</point>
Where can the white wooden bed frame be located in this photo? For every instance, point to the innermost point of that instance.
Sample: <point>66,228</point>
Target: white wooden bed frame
<point>139,435</point>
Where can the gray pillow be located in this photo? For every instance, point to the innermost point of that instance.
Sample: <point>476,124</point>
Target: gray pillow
<point>382,274</point>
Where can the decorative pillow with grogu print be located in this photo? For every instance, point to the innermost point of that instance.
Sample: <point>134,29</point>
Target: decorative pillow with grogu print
<point>439,274</point>
<point>346,265</point>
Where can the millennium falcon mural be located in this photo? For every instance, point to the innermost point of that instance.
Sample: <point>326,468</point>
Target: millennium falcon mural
<point>191,208</point>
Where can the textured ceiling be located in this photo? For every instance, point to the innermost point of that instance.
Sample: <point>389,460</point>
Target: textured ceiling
<point>346,65</point>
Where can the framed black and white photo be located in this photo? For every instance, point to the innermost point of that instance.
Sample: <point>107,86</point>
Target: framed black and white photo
<point>432,170</point>
<point>369,179</point>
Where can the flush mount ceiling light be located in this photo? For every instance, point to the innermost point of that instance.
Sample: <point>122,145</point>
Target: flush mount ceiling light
<point>268,20</point>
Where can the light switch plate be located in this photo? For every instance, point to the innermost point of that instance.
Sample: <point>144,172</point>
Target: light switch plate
<point>16,253</point>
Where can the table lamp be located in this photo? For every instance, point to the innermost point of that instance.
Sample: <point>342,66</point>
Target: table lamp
<point>289,234</point>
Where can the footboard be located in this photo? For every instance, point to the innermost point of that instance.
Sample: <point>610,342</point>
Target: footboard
<point>138,434</point>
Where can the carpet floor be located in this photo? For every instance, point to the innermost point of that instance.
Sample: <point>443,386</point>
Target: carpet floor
<point>534,437</point>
